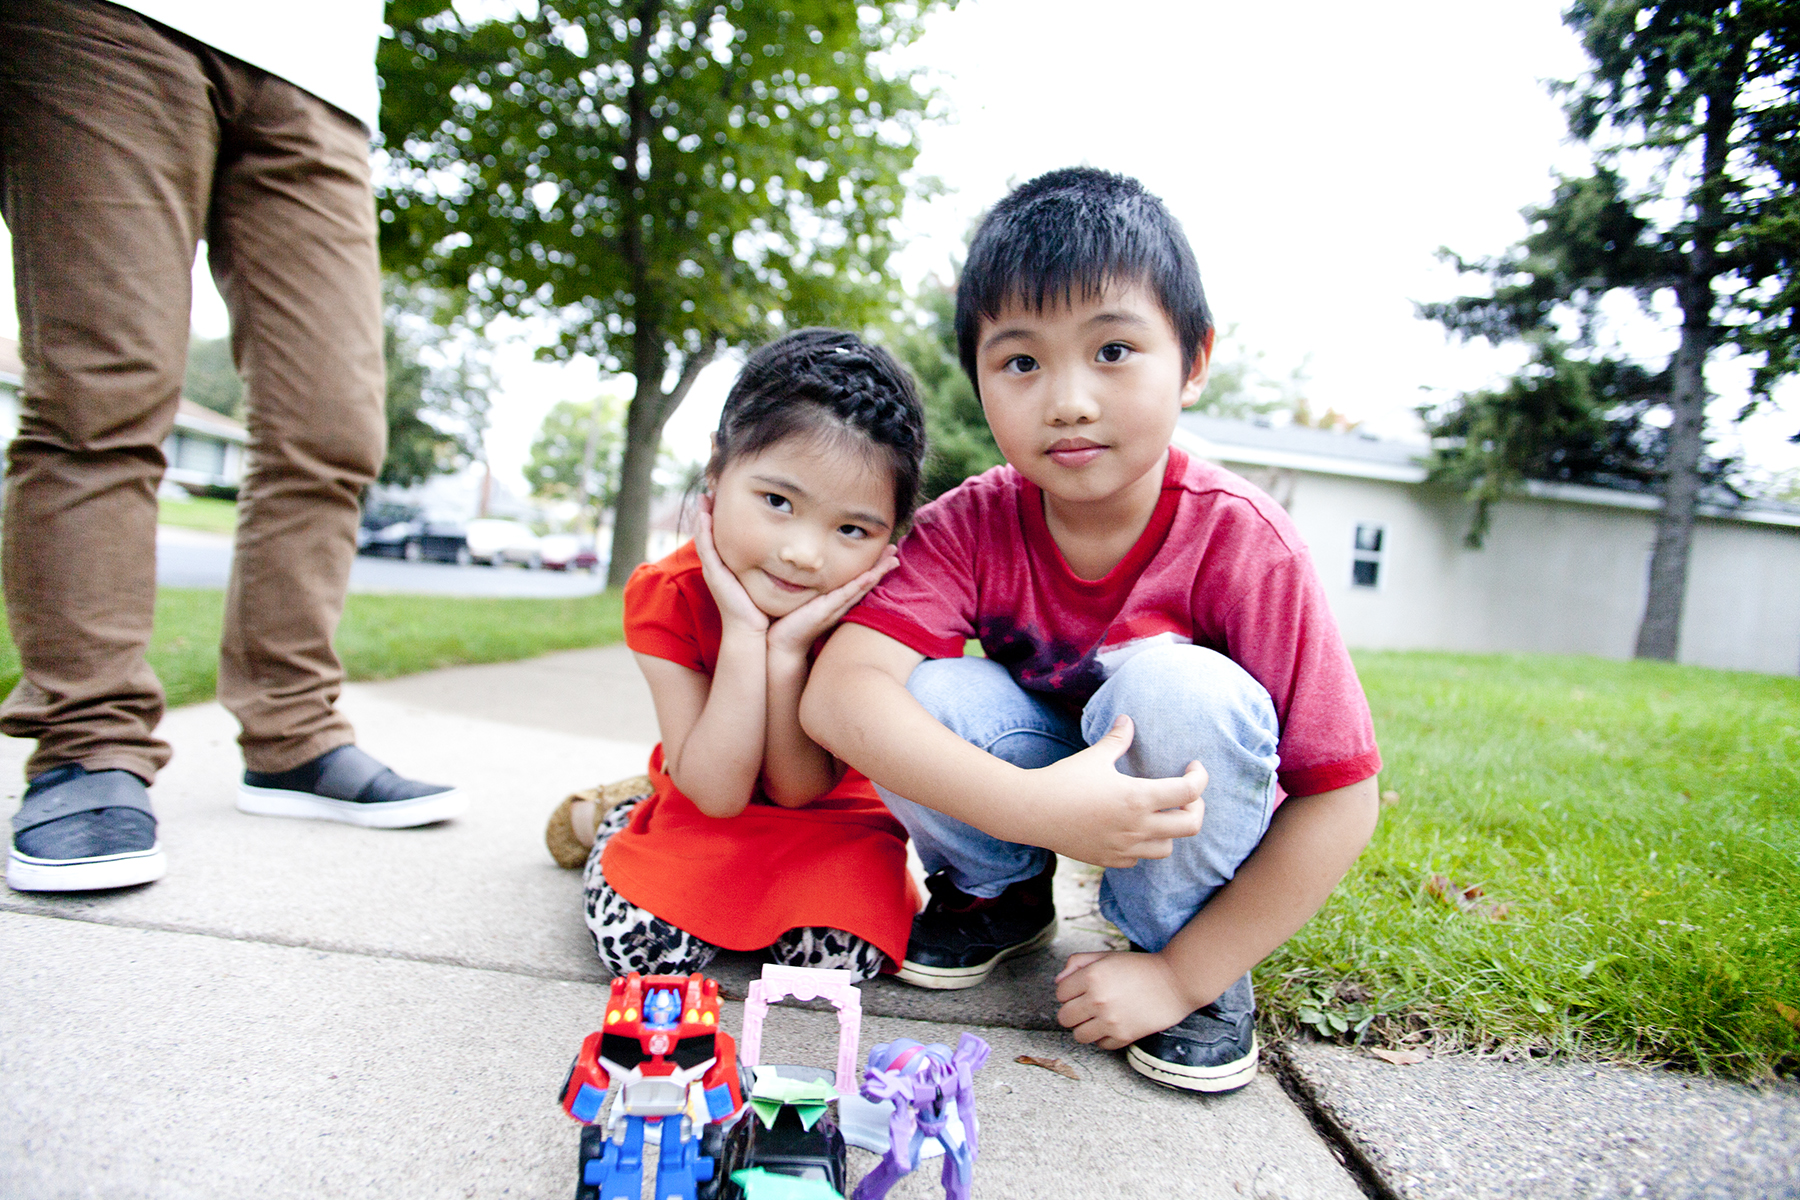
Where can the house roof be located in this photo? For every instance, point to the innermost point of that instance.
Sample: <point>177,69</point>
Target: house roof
<point>1325,451</point>
<point>196,418</point>
<point>1365,456</point>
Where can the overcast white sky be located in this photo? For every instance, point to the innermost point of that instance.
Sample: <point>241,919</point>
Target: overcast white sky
<point>1317,153</point>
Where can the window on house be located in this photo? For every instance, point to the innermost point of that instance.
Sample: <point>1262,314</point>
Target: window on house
<point>198,454</point>
<point>1365,560</point>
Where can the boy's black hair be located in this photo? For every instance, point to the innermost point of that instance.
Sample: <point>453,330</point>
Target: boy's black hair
<point>1078,229</point>
<point>826,382</point>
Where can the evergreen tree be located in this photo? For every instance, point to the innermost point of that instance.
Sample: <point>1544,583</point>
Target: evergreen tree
<point>1707,94</point>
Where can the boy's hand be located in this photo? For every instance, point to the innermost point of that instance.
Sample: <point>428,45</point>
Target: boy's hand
<point>1088,811</point>
<point>797,631</point>
<point>1113,999</point>
<point>736,609</point>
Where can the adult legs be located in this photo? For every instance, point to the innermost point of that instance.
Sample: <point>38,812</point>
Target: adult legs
<point>107,140</point>
<point>291,244</point>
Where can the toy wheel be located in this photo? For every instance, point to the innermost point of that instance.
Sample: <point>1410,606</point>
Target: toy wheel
<point>593,1145</point>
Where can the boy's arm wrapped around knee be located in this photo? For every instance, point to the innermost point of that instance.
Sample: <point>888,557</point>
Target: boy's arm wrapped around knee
<point>1115,998</point>
<point>856,705</point>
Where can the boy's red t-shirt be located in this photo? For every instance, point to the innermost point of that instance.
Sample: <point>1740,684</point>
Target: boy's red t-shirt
<point>741,882</point>
<point>1220,565</point>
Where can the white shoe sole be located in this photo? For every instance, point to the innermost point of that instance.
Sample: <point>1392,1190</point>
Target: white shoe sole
<point>390,814</point>
<point>1228,1077</point>
<point>952,979</point>
<point>27,874</point>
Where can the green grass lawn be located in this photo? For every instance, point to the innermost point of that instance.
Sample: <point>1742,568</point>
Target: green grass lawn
<point>196,512</point>
<point>1634,833</point>
<point>381,636</point>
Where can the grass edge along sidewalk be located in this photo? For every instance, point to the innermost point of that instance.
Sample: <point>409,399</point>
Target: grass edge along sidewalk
<point>380,637</point>
<point>1576,856</point>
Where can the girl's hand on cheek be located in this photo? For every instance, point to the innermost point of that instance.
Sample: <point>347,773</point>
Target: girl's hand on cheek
<point>797,631</point>
<point>736,609</point>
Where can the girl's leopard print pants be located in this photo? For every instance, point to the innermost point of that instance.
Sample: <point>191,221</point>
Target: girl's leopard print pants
<point>628,938</point>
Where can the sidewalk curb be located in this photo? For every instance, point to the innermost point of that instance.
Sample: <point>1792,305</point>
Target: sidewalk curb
<point>1344,1147</point>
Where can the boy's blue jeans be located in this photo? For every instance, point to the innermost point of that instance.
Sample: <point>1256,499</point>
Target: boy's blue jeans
<point>1187,704</point>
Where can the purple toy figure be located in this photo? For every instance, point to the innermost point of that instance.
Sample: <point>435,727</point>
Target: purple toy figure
<point>933,1093</point>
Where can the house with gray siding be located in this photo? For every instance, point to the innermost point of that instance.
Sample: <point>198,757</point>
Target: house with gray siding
<point>1563,569</point>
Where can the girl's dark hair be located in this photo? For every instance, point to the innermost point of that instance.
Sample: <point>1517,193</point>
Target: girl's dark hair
<point>825,383</point>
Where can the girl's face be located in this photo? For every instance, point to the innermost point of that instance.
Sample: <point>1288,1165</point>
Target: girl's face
<point>802,518</point>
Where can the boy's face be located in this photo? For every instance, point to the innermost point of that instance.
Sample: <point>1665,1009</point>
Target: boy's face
<point>1082,397</point>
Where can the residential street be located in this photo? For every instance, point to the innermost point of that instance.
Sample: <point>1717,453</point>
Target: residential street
<point>189,558</point>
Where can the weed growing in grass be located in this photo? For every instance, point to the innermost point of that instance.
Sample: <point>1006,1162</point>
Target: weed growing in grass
<point>1634,830</point>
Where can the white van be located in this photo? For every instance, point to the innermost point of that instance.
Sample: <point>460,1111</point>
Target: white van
<point>497,542</point>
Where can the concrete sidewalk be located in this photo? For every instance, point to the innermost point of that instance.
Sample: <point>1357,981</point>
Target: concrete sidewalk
<point>304,1009</point>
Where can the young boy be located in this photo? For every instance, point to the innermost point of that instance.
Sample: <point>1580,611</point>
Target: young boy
<point>1154,633</point>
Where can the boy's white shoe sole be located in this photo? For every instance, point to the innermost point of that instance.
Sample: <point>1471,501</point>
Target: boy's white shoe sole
<point>27,874</point>
<point>1225,1077</point>
<point>386,814</point>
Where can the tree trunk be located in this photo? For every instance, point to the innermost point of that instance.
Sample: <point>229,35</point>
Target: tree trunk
<point>650,410</point>
<point>631,514</point>
<point>1659,636</point>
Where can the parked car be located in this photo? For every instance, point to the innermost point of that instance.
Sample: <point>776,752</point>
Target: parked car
<point>392,531</point>
<point>566,552</point>
<point>497,542</point>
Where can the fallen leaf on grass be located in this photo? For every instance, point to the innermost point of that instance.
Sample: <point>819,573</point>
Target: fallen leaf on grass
<point>1789,1013</point>
<point>1469,899</point>
<point>1049,1064</point>
<point>1401,1058</point>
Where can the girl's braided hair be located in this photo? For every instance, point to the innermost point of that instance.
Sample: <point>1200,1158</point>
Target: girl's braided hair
<point>826,383</point>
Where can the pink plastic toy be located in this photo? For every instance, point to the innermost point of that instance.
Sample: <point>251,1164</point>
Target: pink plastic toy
<point>805,983</point>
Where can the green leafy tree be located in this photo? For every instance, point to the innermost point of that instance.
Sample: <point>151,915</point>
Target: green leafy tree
<point>212,380</point>
<point>956,431</point>
<point>1561,419</point>
<point>658,178</point>
<point>1706,92</point>
<point>575,455</point>
<point>437,389</point>
<point>1238,384</point>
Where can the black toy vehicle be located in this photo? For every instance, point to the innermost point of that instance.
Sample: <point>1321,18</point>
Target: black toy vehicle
<point>785,1148</point>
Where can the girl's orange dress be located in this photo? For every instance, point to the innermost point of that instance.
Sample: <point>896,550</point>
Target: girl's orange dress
<point>741,882</point>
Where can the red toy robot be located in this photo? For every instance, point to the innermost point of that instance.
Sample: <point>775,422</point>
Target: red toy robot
<point>663,1057</point>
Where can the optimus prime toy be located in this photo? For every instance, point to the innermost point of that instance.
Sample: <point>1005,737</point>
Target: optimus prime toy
<point>933,1093</point>
<point>663,1058</point>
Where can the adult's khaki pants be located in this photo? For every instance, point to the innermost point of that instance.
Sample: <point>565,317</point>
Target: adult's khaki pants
<point>122,143</point>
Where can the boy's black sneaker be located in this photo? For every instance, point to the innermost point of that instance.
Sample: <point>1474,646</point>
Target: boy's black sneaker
<point>960,938</point>
<point>1210,1050</point>
<point>82,831</point>
<point>348,785</point>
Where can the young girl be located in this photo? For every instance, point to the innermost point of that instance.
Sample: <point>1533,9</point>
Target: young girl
<point>751,836</point>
